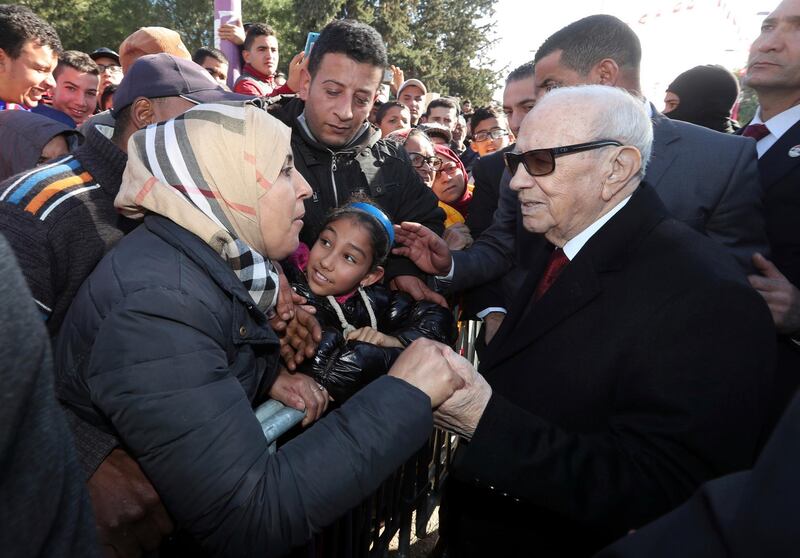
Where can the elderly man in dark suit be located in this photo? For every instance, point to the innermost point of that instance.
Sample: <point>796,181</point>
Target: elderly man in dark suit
<point>706,179</point>
<point>754,513</point>
<point>635,362</point>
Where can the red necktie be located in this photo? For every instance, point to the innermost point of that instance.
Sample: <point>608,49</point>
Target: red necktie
<point>557,262</point>
<point>756,131</point>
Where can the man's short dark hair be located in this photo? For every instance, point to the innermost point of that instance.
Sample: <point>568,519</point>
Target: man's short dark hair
<point>355,40</point>
<point>445,102</point>
<point>76,60</point>
<point>386,107</point>
<point>485,113</point>
<point>257,30</point>
<point>587,41</point>
<point>522,72</point>
<point>202,53</point>
<point>18,25</point>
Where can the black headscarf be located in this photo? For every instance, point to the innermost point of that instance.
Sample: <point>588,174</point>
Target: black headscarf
<point>23,135</point>
<point>706,94</point>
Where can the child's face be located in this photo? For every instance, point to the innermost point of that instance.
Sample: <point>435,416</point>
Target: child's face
<point>341,259</point>
<point>396,118</point>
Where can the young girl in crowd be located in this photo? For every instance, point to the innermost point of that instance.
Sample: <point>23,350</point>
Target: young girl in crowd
<point>365,325</point>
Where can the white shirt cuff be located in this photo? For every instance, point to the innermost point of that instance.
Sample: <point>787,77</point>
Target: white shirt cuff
<point>449,276</point>
<point>485,312</point>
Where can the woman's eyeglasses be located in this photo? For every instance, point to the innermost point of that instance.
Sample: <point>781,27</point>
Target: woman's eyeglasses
<point>418,160</point>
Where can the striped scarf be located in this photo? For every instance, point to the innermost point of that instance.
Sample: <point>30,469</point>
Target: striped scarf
<point>206,171</point>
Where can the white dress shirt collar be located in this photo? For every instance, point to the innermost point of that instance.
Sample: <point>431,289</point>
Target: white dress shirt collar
<point>777,125</point>
<point>574,245</point>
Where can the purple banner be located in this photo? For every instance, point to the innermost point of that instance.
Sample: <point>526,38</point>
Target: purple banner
<point>226,11</point>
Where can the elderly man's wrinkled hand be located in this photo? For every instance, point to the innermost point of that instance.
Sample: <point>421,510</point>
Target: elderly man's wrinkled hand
<point>128,512</point>
<point>425,248</point>
<point>423,365</point>
<point>462,411</point>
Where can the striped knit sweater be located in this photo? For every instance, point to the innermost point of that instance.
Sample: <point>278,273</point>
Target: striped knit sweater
<point>60,220</point>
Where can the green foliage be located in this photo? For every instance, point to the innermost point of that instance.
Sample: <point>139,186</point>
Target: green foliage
<point>442,42</point>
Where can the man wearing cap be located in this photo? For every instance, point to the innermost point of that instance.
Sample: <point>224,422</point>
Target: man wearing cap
<point>412,94</point>
<point>110,70</point>
<point>47,211</point>
<point>145,40</point>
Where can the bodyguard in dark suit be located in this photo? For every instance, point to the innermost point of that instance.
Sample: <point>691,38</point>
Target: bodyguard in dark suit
<point>773,71</point>
<point>620,383</point>
<point>706,179</point>
<point>754,513</point>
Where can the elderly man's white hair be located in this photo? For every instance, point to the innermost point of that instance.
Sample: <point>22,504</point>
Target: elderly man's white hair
<point>611,113</point>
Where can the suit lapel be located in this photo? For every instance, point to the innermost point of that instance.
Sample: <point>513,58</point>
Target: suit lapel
<point>664,133</point>
<point>580,282</point>
<point>776,163</point>
<point>577,285</point>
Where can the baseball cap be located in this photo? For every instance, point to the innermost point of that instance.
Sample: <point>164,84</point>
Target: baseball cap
<point>165,75</point>
<point>104,52</point>
<point>151,40</point>
<point>416,82</point>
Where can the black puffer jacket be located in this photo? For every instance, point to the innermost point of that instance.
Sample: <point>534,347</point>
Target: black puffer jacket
<point>377,167</point>
<point>164,348</point>
<point>344,367</point>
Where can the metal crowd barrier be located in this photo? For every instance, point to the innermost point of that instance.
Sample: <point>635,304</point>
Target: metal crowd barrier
<point>367,530</point>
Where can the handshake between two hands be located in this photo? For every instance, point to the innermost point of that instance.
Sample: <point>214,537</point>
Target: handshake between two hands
<point>458,393</point>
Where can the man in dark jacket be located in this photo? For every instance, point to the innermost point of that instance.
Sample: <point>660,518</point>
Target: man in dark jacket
<point>339,153</point>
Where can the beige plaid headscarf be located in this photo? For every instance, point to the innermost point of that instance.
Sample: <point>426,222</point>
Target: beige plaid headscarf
<point>206,170</point>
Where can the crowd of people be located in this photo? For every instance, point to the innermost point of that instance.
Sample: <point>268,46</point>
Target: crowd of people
<point>186,236</point>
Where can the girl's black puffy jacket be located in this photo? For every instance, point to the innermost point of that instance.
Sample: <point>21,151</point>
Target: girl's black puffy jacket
<point>344,367</point>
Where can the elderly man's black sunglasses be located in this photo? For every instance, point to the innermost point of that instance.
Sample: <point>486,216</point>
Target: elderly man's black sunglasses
<point>540,162</point>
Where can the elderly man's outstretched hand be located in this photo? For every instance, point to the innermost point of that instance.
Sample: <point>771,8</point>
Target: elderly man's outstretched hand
<point>425,248</point>
<point>424,366</point>
<point>461,413</point>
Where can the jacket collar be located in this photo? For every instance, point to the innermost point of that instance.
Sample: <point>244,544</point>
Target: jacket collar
<point>665,132</point>
<point>252,72</point>
<point>291,113</point>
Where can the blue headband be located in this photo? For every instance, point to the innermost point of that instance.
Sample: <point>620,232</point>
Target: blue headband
<point>379,215</point>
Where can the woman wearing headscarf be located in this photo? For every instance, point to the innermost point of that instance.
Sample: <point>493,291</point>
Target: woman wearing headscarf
<point>28,139</point>
<point>167,345</point>
<point>704,96</point>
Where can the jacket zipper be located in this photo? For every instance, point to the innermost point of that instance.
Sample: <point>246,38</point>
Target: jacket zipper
<point>333,179</point>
